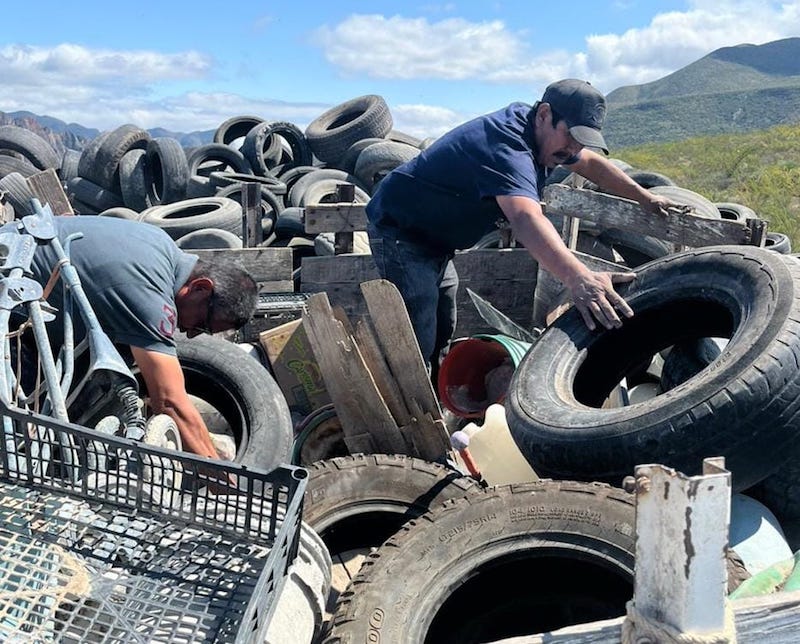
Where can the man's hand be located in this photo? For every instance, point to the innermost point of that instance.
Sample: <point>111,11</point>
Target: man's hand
<point>660,205</point>
<point>594,296</point>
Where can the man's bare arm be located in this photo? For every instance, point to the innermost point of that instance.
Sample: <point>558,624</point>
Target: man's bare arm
<point>592,292</point>
<point>166,388</point>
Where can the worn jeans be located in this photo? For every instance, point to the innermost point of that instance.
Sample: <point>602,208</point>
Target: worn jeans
<point>427,281</point>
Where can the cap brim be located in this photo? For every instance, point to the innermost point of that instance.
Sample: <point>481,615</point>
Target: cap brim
<point>588,136</point>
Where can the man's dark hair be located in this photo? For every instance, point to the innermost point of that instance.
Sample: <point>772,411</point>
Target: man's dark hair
<point>235,293</point>
<point>556,117</point>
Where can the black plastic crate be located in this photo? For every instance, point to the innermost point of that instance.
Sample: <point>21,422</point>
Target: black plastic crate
<point>104,539</point>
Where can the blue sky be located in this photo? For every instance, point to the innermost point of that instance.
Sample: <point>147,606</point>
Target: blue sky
<point>189,66</point>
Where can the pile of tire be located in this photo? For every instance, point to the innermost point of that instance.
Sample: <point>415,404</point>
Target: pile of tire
<point>196,194</point>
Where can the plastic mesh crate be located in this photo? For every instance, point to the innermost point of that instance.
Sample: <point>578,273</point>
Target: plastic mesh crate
<point>104,539</point>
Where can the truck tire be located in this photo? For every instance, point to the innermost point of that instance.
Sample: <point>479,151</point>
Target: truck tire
<point>742,407</point>
<point>512,561</point>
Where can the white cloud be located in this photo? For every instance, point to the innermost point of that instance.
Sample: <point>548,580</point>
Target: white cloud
<point>675,39</point>
<point>70,65</point>
<point>456,49</point>
<point>425,121</point>
<point>406,48</point>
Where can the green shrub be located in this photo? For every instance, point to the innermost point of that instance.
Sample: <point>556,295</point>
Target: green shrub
<point>757,169</point>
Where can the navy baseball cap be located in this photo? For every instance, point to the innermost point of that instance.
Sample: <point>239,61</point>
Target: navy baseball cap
<point>583,108</point>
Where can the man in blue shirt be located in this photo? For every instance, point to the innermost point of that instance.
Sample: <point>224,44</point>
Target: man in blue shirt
<point>487,170</point>
<point>143,290</point>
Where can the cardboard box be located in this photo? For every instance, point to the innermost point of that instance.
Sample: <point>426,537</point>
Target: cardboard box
<point>295,367</point>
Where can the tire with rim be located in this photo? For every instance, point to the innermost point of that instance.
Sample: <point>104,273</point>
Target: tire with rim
<point>741,407</point>
<point>463,572</point>
<point>334,131</point>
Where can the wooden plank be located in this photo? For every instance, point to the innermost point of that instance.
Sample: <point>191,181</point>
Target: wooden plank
<point>378,367</point>
<point>359,405</point>
<point>270,267</point>
<point>335,217</point>
<point>506,278</point>
<point>47,188</point>
<point>614,212</point>
<point>398,343</point>
<point>252,230</point>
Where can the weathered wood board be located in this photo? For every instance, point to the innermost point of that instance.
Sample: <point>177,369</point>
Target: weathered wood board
<point>376,377</point>
<point>335,218</point>
<point>684,229</point>
<point>504,277</point>
<point>270,267</point>
<point>47,188</point>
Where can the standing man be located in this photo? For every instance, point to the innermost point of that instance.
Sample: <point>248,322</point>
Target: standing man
<point>487,170</point>
<point>143,290</point>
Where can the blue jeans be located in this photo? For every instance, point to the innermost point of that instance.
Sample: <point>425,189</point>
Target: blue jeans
<point>427,281</point>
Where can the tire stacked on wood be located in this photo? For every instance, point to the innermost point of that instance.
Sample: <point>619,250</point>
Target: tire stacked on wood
<point>743,406</point>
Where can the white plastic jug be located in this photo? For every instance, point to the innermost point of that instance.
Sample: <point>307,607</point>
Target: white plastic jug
<point>494,451</point>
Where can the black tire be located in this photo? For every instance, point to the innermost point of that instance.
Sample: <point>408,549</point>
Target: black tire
<point>296,192</point>
<point>378,492</point>
<point>259,140</point>
<point>335,130</point>
<point>702,207</point>
<point>235,128</point>
<point>778,243</point>
<point>686,359</point>
<point>216,157</point>
<point>18,193</point>
<point>648,179</point>
<point>271,204</point>
<point>224,179</point>
<point>327,191</point>
<point>69,165</point>
<point>186,216</point>
<point>121,212</point>
<point>134,179</point>
<point>30,145</point>
<point>735,211</point>
<point>103,168</point>
<point>9,164</point>
<point>169,170</point>
<point>635,249</point>
<point>246,395</point>
<point>90,193</point>
<point>513,561</point>
<point>376,161</point>
<point>742,407</point>
<point>290,223</point>
<point>349,158</point>
<point>209,238</point>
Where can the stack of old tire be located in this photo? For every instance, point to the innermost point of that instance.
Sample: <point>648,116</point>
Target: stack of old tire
<point>448,544</point>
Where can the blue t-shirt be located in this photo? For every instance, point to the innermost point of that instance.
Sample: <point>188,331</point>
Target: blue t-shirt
<point>445,196</point>
<point>130,272</point>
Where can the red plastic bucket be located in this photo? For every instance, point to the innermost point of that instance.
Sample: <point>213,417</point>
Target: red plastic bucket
<point>473,373</point>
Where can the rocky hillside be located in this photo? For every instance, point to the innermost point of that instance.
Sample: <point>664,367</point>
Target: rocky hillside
<point>733,89</point>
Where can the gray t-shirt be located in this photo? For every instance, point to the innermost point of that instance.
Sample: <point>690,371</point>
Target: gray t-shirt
<point>130,272</point>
